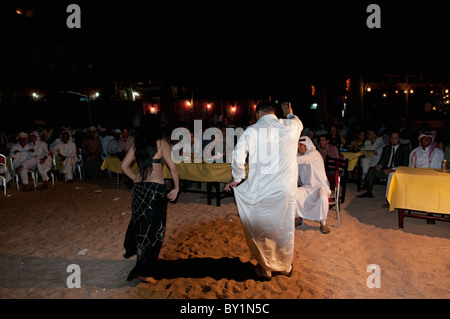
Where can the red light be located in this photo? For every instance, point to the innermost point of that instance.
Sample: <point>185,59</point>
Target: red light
<point>208,106</point>
<point>233,109</point>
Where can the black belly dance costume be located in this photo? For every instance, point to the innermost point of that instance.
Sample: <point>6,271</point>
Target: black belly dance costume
<point>145,232</point>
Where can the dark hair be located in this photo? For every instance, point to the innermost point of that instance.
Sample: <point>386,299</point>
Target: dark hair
<point>145,146</point>
<point>266,106</point>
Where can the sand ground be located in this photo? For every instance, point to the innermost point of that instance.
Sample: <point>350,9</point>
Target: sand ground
<point>205,255</point>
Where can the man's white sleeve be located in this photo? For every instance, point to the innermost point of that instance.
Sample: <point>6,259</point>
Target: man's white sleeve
<point>239,156</point>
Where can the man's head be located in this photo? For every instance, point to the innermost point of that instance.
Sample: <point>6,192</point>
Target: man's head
<point>371,135</point>
<point>323,140</point>
<point>395,139</point>
<point>65,136</point>
<point>301,148</point>
<point>425,140</point>
<point>103,132</point>
<point>92,131</point>
<point>22,138</point>
<point>305,144</point>
<point>125,132</point>
<point>333,130</point>
<point>117,133</point>
<point>264,108</point>
<point>33,137</point>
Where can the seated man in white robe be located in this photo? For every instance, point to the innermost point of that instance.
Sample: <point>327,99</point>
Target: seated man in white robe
<point>314,192</point>
<point>22,159</point>
<point>428,156</point>
<point>67,152</point>
<point>43,160</point>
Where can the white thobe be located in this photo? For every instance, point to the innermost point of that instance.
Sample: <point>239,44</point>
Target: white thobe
<point>313,195</point>
<point>424,159</point>
<point>266,200</point>
<point>22,158</point>
<point>40,152</point>
<point>70,152</point>
<point>377,146</point>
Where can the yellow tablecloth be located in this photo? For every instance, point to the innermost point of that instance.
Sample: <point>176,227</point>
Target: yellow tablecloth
<point>197,172</point>
<point>113,164</point>
<point>420,189</point>
<point>352,158</point>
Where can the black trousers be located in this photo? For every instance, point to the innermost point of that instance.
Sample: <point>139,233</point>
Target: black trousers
<point>372,175</point>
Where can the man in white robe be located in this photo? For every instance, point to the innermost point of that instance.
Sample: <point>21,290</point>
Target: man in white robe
<point>266,201</point>
<point>313,195</point>
<point>67,152</point>
<point>22,160</point>
<point>428,155</point>
<point>43,160</point>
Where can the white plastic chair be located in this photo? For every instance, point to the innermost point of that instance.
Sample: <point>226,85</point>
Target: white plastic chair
<point>3,175</point>
<point>15,176</point>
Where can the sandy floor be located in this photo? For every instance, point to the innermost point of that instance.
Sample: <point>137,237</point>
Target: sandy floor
<point>204,253</point>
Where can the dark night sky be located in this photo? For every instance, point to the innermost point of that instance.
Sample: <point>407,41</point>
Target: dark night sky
<point>212,43</point>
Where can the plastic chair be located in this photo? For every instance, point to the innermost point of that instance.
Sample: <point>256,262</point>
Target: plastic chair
<point>15,176</point>
<point>79,165</point>
<point>3,175</point>
<point>341,165</point>
<point>334,198</point>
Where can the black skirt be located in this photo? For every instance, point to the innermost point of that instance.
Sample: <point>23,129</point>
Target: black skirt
<point>145,232</point>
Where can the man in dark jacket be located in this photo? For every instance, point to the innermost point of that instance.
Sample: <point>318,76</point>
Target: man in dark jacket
<point>393,156</point>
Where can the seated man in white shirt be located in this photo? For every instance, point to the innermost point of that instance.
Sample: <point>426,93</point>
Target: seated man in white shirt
<point>67,152</point>
<point>43,160</point>
<point>428,156</point>
<point>373,145</point>
<point>314,192</point>
<point>22,159</point>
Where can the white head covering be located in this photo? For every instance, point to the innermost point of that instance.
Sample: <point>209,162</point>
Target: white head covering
<point>305,140</point>
<point>35,133</point>
<point>22,135</point>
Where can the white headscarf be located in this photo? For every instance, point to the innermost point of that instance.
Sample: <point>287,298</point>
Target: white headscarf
<point>305,140</point>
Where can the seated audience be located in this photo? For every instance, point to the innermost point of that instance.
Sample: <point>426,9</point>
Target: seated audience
<point>392,156</point>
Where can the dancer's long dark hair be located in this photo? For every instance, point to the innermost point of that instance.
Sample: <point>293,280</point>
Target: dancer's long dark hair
<point>145,146</point>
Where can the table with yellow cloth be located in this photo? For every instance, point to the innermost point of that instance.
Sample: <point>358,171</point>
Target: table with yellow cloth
<point>353,158</point>
<point>421,190</point>
<point>212,174</point>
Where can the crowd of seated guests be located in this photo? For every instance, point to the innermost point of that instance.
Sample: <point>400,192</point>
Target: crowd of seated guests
<point>34,150</point>
<point>94,144</point>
